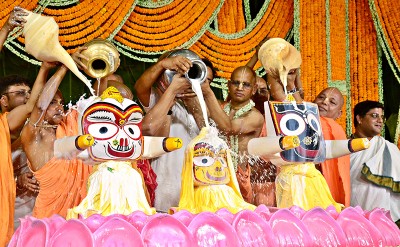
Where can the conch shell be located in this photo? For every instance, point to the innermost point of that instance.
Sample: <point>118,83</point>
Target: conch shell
<point>41,41</point>
<point>278,55</point>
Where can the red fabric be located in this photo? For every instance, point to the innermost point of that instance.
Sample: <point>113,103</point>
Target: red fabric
<point>149,177</point>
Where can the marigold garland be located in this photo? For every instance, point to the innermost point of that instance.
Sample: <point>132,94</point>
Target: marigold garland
<point>388,36</point>
<point>220,51</point>
<point>336,50</point>
<point>364,68</point>
<point>231,17</point>
<point>312,31</point>
<point>143,32</point>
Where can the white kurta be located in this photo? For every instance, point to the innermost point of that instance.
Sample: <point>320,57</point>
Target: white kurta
<point>168,167</point>
<point>381,163</point>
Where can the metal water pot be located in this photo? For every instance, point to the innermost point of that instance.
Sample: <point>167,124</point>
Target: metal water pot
<point>103,58</point>
<point>196,74</point>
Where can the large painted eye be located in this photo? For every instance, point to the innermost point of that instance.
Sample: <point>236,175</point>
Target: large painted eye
<point>133,131</point>
<point>292,124</point>
<point>314,123</point>
<point>203,160</point>
<point>102,130</point>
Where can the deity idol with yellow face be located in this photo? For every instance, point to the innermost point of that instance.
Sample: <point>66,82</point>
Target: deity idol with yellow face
<point>208,177</point>
<point>112,140</point>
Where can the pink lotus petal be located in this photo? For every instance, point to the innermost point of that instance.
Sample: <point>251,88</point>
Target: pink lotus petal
<point>323,229</point>
<point>117,232</point>
<point>94,222</point>
<point>165,230</point>
<point>297,211</point>
<point>289,230</point>
<point>113,216</point>
<point>55,222</point>
<point>252,230</point>
<point>184,216</point>
<point>359,210</point>
<point>261,208</point>
<point>359,231</point>
<point>72,233</point>
<point>14,240</point>
<point>37,234</point>
<point>138,219</point>
<point>332,211</point>
<point>388,229</point>
<point>210,229</point>
<point>226,215</point>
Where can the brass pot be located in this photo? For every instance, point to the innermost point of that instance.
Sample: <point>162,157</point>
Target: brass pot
<point>103,58</point>
<point>196,74</point>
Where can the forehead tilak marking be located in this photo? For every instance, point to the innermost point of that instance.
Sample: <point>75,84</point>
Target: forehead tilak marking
<point>91,109</point>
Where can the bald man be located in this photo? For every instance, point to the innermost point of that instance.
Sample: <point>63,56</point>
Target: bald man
<point>336,171</point>
<point>239,121</point>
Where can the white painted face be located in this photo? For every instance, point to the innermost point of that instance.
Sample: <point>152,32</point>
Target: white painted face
<point>116,128</point>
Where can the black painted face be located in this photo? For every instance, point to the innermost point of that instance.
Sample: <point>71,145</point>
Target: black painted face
<point>300,120</point>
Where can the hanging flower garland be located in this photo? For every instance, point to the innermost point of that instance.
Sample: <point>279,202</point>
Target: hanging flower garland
<point>313,31</point>
<point>389,30</point>
<point>336,47</point>
<point>88,20</point>
<point>147,32</point>
<point>276,21</point>
<point>231,17</point>
<point>364,55</point>
<point>388,37</point>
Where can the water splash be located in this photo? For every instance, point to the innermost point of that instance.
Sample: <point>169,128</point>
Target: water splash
<point>98,86</point>
<point>196,87</point>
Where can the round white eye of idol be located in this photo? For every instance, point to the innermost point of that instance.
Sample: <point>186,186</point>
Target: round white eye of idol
<point>132,130</point>
<point>292,124</point>
<point>203,160</point>
<point>102,130</point>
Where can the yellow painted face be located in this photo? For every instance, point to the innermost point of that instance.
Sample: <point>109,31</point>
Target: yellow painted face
<point>209,165</point>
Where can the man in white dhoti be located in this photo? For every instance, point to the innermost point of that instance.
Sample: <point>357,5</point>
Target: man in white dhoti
<point>375,172</point>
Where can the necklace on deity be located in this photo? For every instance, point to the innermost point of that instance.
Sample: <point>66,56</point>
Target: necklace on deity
<point>234,139</point>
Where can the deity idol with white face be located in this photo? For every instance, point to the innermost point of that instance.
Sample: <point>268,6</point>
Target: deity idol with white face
<point>111,138</point>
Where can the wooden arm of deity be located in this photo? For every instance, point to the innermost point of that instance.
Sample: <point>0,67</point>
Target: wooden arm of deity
<point>268,147</point>
<point>157,146</point>
<point>72,146</point>
<point>338,148</point>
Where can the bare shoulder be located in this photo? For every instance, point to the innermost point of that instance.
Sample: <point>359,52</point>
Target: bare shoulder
<point>256,115</point>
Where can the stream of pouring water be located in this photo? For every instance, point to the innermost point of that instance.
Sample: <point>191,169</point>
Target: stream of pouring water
<point>196,87</point>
